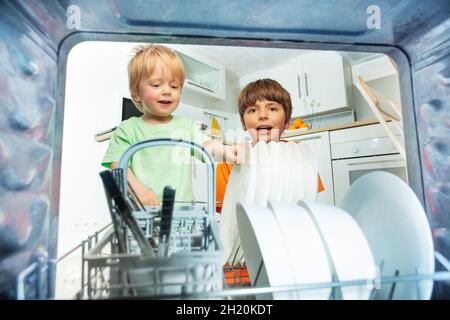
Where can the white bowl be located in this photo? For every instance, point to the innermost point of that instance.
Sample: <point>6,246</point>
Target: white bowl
<point>264,249</point>
<point>306,251</point>
<point>396,228</point>
<point>349,253</point>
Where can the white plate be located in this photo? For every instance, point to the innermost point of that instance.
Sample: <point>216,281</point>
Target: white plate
<point>289,161</point>
<point>241,178</point>
<point>249,183</point>
<point>297,173</point>
<point>349,253</point>
<point>264,249</point>
<point>310,172</point>
<point>275,181</point>
<point>285,172</point>
<point>397,229</point>
<point>307,255</point>
<point>264,167</point>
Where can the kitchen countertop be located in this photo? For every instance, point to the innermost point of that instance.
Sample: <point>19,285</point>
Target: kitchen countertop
<point>330,128</point>
<point>107,135</point>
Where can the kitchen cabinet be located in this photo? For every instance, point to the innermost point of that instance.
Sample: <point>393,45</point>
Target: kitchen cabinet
<point>374,69</point>
<point>318,83</point>
<point>204,81</point>
<point>320,143</point>
<point>325,81</point>
<point>362,141</point>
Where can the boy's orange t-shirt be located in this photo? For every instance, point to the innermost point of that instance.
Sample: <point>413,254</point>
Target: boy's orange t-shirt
<point>223,172</point>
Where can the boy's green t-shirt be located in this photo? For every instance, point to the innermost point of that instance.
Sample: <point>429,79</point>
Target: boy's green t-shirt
<point>157,167</point>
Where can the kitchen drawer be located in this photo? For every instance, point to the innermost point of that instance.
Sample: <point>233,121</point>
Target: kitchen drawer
<point>360,133</point>
<point>320,144</point>
<point>362,148</point>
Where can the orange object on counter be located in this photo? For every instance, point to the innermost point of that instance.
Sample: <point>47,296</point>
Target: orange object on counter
<point>297,123</point>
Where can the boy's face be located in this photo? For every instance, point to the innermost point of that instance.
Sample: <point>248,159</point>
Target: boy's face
<point>159,92</point>
<point>265,121</point>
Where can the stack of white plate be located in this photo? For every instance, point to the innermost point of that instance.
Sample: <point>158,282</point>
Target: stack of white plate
<point>288,244</point>
<point>283,171</point>
<point>380,224</point>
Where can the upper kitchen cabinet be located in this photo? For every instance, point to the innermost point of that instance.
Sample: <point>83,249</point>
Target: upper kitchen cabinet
<point>377,68</point>
<point>205,79</point>
<point>318,82</point>
<point>324,82</point>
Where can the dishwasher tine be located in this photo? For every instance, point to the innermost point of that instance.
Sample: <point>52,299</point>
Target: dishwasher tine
<point>377,281</point>
<point>417,270</point>
<point>391,293</point>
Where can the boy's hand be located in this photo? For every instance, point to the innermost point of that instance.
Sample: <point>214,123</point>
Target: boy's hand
<point>231,154</point>
<point>223,153</point>
<point>244,152</point>
<point>145,195</point>
<point>148,197</point>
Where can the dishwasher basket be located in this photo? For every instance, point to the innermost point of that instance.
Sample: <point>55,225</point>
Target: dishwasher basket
<point>193,267</point>
<point>116,266</point>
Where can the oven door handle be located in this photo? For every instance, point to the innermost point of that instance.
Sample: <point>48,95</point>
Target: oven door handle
<point>401,162</point>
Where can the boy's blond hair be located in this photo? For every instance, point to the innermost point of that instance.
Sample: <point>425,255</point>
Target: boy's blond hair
<point>143,64</point>
<point>264,89</point>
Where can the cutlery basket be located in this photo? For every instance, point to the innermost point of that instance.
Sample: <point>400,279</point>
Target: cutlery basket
<point>116,266</point>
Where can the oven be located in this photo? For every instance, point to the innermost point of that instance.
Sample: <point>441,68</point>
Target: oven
<point>361,150</point>
<point>347,171</point>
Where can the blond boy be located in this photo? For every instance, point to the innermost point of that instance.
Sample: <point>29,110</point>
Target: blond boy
<point>156,77</point>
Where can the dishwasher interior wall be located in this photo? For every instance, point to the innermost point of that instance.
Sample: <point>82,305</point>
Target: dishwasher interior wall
<point>37,36</point>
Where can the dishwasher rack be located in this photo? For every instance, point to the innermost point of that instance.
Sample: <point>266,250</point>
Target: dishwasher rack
<point>109,275</point>
<point>193,269</point>
<point>134,259</point>
<point>195,272</point>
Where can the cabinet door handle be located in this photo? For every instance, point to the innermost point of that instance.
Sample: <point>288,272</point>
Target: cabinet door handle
<point>199,85</point>
<point>306,84</point>
<point>299,86</point>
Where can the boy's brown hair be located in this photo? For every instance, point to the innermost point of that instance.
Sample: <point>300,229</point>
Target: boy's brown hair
<point>264,89</point>
<point>143,63</point>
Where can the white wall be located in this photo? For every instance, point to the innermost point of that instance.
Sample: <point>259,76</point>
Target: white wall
<point>96,72</point>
